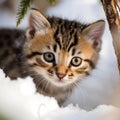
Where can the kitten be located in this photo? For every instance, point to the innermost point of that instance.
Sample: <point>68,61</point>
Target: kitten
<point>57,53</point>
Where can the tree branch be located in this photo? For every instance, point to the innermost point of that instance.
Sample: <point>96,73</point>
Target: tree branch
<point>112,10</point>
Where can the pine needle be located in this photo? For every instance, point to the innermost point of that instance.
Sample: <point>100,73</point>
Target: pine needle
<point>22,10</point>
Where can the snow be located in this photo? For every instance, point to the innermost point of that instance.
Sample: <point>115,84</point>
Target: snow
<point>19,101</point>
<point>95,98</point>
<point>19,98</point>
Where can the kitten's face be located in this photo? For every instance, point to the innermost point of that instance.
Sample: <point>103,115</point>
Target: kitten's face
<point>61,57</point>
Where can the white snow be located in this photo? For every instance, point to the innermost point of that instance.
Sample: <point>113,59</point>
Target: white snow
<point>19,101</point>
<point>95,98</point>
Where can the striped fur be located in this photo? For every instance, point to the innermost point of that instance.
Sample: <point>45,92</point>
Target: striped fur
<point>11,43</point>
<point>57,53</point>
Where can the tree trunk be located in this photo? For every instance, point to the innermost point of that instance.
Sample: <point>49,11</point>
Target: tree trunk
<point>112,11</point>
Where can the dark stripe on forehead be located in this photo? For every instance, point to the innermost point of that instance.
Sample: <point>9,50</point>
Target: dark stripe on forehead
<point>58,42</point>
<point>56,37</point>
<point>55,48</point>
<point>33,54</point>
<point>73,51</point>
<point>90,63</point>
<point>75,41</point>
<point>66,33</point>
<point>62,28</point>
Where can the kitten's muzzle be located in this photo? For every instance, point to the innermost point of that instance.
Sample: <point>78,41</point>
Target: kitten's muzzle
<point>60,75</point>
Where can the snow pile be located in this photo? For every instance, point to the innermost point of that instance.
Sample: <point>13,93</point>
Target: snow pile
<point>19,101</point>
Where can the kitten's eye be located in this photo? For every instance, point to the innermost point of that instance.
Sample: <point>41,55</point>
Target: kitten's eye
<point>49,57</point>
<point>76,61</point>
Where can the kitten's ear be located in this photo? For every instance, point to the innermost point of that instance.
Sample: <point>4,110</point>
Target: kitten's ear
<point>94,33</point>
<point>38,24</point>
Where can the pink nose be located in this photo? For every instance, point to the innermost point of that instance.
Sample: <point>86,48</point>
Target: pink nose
<point>60,75</point>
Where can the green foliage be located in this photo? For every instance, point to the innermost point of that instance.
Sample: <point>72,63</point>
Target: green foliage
<point>22,10</point>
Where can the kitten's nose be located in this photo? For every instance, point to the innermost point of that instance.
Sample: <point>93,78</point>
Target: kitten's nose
<point>60,75</point>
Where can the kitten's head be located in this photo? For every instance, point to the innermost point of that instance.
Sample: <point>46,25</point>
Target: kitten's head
<point>59,51</point>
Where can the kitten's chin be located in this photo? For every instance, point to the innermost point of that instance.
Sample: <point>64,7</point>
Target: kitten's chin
<point>60,83</point>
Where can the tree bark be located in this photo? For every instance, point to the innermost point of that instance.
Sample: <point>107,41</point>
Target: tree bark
<point>112,11</point>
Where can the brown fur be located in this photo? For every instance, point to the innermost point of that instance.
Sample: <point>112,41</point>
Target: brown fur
<point>60,53</point>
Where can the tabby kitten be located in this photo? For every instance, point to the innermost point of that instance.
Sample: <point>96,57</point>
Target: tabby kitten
<point>59,53</point>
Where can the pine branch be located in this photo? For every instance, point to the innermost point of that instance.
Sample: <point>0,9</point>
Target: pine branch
<point>112,10</point>
<point>22,10</point>
<point>24,6</point>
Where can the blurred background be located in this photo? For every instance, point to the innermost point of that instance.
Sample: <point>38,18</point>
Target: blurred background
<point>8,12</point>
<point>70,9</point>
